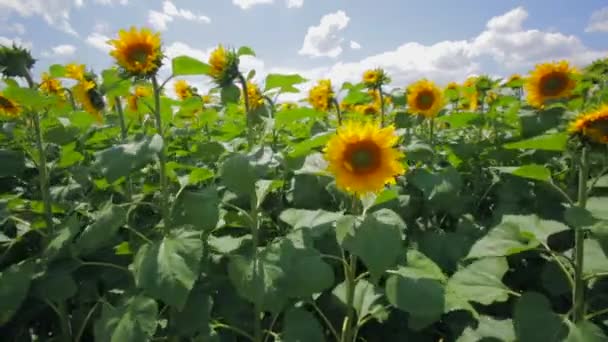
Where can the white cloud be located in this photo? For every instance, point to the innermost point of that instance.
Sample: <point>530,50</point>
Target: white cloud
<point>17,41</point>
<point>246,4</point>
<point>323,39</point>
<point>295,3</point>
<point>354,45</point>
<point>598,21</point>
<point>111,2</point>
<point>16,28</point>
<point>99,41</point>
<point>159,20</point>
<point>55,12</point>
<point>63,50</point>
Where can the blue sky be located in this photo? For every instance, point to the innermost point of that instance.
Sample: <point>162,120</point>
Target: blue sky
<point>441,40</point>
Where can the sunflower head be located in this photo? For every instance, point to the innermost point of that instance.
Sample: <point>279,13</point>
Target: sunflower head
<point>254,95</point>
<point>137,52</point>
<point>321,95</point>
<point>424,98</point>
<point>51,86</point>
<point>469,94</point>
<point>15,61</point>
<point>367,109</point>
<point>138,93</point>
<point>8,107</point>
<point>87,94</point>
<point>75,71</point>
<point>374,78</point>
<point>592,127</point>
<point>451,92</point>
<point>491,97</point>
<point>550,81</point>
<point>183,90</point>
<point>362,157</point>
<point>224,66</point>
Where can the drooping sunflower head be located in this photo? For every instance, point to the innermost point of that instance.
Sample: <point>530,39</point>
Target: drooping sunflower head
<point>51,86</point>
<point>183,90</point>
<point>424,98</point>
<point>254,95</point>
<point>224,65</point>
<point>550,81</point>
<point>321,95</point>
<point>138,52</point>
<point>15,61</point>
<point>75,71</point>
<point>362,157</point>
<point>452,86</point>
<point>592,126</point>
<point>8,107</point>
<point>89,97</point>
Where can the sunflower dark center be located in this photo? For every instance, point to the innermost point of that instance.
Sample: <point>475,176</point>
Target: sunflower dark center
<point>5,103</point>
<point>425,100</point>
<point>598,130</point>
<point>363,157</point>
<point>139,54</point>
<point>554,83</point>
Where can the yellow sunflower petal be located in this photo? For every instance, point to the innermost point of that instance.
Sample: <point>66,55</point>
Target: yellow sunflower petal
<point>550,81</point>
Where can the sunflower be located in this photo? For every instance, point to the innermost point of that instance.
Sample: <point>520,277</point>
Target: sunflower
<point>51,86</point>
<point>8,107</point>
<point>224,66</point>
<point>362,158</point>
<point>470,94</point>
<point>182,89</point>
<point>452,86</point>
<point>514,78</point>
<point>137,51</point>
<point>321,95</point>
<point>254,95</point>
<point>75,71</point>
<point>592,126</point>
<point>550,81</point>
<point>425,98</point>
<point>138,93</point>
<point>367,109</point>
<point>87,95</point>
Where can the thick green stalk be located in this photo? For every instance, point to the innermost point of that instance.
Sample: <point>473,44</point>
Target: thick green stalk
<point>247,113</point>
<point>348,327</point>
<point>257,310</point>
<point>382,114</point>
<point>432,132</point>
<point>338,111</point>
<point>43,174</point>
<point>123,139</point>
<point>578,300</point>
<point>162,156</point>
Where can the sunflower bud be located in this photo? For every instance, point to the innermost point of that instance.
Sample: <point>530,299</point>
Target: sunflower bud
<point>224,66</point>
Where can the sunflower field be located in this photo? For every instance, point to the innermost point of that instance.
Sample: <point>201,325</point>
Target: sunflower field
<point>370,211</point>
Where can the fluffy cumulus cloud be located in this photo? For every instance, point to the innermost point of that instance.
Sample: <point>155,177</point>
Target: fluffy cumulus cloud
<point>99,41</point>
<point>324,39</point>
<point>17,41</point>
<point>598,21</point>
<point>64,50</point>
<point>504,40</point>
<point>170,12</point>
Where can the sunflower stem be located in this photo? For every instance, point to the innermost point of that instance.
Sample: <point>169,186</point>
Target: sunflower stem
<point>43,174</point>
<point>578,300</point>
<point>162,158</point>
<point>250,138</point>
<point>257,309</point>
<point>432,132</point>
<point>381,106</point>
<point>123,139</point>
<point>350,272</point>
<point>338,111</point>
